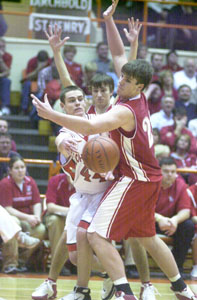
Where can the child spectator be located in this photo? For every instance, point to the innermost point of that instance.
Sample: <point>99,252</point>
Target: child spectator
<point>21,198</point>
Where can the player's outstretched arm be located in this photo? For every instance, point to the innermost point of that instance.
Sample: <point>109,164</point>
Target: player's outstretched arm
<point>55,41</point>
<point>115,43</point>
<point>132,35</point>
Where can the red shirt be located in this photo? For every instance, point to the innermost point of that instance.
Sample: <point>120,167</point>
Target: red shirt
<point>173,199</point>
<point>59,190</point>
<point>168,137</point>
<point>193,196</point>
<point>33,63</point>
<point>76,73</point>
<point>24,200</point>
<point>154,107</point>
<point>137,158</point>
<point>7,58</point>
<point>188,161</point>
<point>92,110</point>
<point>174,68</point>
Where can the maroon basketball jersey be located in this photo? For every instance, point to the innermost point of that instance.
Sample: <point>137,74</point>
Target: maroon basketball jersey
<point>92,110</point>
<point>137,158</point>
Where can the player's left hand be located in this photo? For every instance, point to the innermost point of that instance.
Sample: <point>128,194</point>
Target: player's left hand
<point>43,108</point>
<point>134,30</point>
<point>108,13</point>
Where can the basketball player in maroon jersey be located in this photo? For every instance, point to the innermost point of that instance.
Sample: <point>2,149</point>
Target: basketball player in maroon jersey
<point>127,209</point>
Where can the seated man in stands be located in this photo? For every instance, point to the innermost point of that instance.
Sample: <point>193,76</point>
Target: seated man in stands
<point>4,126</point>
<point>172,62</point>
<point>34,66</point>
<point>11,231</point>
<point>58,193</point>
<point>173,211</point>
<point>21,198</point>
<point>5,151</point>
<point>169,134</point>
<point>5,65</point>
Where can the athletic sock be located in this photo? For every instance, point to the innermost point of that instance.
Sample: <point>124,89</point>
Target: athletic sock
<point>50,279</point>
<point>125,287</point>
<point>178,285</point>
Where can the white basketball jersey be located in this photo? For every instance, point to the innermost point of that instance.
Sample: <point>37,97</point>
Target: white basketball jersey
<point>83,179</point>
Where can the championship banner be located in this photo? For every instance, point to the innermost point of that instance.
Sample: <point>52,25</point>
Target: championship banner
<point>69,24</point>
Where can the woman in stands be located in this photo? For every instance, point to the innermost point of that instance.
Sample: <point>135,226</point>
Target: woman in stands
<point>21,198</point>
<point>166,79</point>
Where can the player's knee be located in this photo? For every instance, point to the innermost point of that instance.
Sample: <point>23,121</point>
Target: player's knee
<point>81,235</point>
<point>73,257</point>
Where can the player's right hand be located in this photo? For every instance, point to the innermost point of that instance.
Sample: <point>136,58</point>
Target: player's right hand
<point>54,38</point>
<point>110,10</point>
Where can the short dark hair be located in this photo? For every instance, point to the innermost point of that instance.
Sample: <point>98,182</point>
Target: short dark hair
<point>180,111</point>
<point>68,89</point>
<point>101,44</point>
<point>184,85</point>
<point>139,69</point>
<point>69,48</point>
<point>100,79</point>
<point>42,55</point>
<point>167,161</point>
<point>170,52</point>
<point>13,159</point>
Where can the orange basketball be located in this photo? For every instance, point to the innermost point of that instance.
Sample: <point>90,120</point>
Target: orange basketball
<point>101,154</point>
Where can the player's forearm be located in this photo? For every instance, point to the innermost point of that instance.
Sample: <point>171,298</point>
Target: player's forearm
<point>62,70</point>
<point>37,209</point>
<point>133,51</point>
<point>14,212</point>
<point>115,43</point>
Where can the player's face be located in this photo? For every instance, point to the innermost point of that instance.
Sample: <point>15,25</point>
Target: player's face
<point>101,96</point>
<point>18,171</point>
<point>3,126</point>
<point>168,174</point>
<point>5,145</point>
<point>128,87</point>
<point>74,103</point>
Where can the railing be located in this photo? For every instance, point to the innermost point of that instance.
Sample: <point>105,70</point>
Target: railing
<point>53,168</point>
<point>99,18</point>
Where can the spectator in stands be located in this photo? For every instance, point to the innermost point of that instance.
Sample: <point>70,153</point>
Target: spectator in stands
<point>172,62</point>
<point>164,117</point>
<point>160,149</point>
<point>90,70</point>
<point>173,211</point>
<point>169,134</point>
<point>184,159</point>
<point>153,95</point>
<point>21,198</point>
<point>34,66</point>
<point>182,38</point>
<point>5,65</point>
<point>74,69</point>
<point>192,126</point>
<point>142,51</point>
<point>5,151</point>
<point>58,193</point>
<point>4,129</point>
<point>192,191</point>
<point>3,24</point>
<point>166,79</point>
<point>103,62</point>
<point>157,64</point>
<point>11,231</point>
<point>184,96</point>
<point>187,75</point>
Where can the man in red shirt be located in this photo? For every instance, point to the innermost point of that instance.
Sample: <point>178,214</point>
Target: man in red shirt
<point>5,65</point>
<point>173,211</point>
<point>58,193</point>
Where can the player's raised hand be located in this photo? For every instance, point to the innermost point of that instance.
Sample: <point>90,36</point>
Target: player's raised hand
<point>43,108</point>
<point>108,13</point>
<point>133,31</point>
<point>54,38</point>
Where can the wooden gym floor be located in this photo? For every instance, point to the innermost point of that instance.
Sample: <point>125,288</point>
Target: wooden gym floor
<point>20,287</point>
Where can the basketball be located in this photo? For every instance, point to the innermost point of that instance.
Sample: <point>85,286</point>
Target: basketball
<point>101,154</point>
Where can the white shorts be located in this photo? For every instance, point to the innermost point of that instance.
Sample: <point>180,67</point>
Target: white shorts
<point>82,208</point>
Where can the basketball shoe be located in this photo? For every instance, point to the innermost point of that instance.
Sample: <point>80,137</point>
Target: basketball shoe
<point>46,291</point>
<point>147,292</point>
<point>79,293</point>
<point>122,296</point>
<point>108,289</point>
<point>185,294</point>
